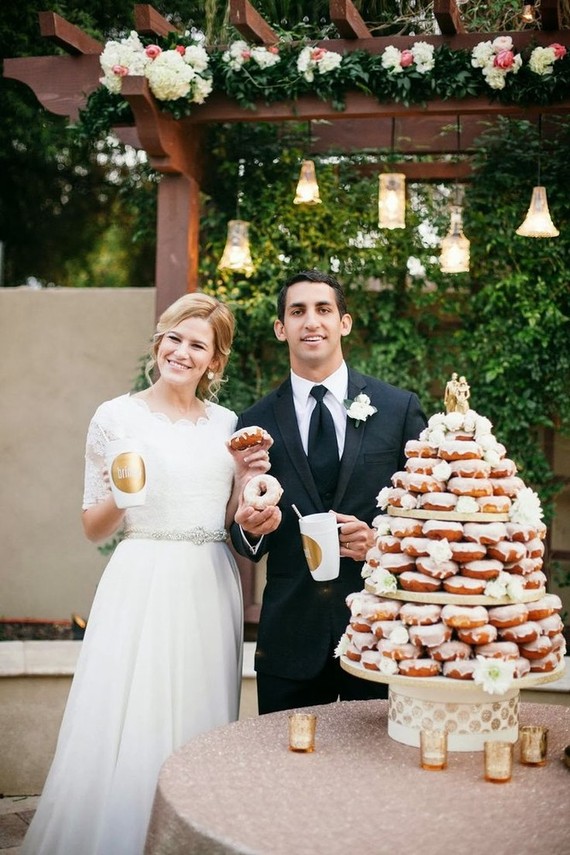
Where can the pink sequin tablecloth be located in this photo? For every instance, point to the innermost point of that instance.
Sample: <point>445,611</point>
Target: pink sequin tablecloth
<point>238,789</point>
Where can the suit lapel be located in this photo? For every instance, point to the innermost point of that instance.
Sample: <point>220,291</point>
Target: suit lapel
<point>287,421</point>
<point>353,438</point>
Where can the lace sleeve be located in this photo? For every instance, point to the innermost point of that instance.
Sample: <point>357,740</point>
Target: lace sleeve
<point>95,488</point>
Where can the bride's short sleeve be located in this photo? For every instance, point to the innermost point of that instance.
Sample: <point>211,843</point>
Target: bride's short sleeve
<point>95,488</point>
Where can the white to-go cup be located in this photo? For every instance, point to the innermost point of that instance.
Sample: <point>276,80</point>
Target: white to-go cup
<point>319,533</point>
<point>127,472</point>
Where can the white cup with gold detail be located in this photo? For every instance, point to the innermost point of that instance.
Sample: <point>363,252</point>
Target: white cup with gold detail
<point>319,533</point>
<point>127,473</point>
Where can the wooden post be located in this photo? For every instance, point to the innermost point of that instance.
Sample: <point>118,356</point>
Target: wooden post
<point>177,248</point>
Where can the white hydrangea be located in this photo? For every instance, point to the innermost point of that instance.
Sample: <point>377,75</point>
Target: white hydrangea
<point>423,57</point>
<point>439,550</point>
<point>399,635</point>
<point>388,666</point>
<point>381,523</point>
<point>542,60</point>
<point>120,58</point>
<point>453,421</point>
<point>442,471</point>
<point>329,62</point>
<point>526,508</point>
<point>237,53</point>
<point>497,588</point>
<point>466,505</point>
<point>515,588</point>
<point>436,437</point>
<point>169,77</point>
<point>384,582</point>
<point>408,502</point>
<point>482,54</point>
<point>470,420</point>
<point>342,646</point>
<point>197,57</point>
<point>495,77</point>
<point>437,420</point>
<point>383,497</point>
<point>264,57</point>
<point>313,59</point>
<point>391,59</point>
<point>483,425</point>
<point>492,456</point>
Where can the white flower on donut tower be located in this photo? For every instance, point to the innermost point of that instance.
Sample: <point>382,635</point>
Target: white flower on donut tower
<point>459,523</point>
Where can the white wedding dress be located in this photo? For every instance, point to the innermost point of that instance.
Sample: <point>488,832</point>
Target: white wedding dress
<point>161,658</point>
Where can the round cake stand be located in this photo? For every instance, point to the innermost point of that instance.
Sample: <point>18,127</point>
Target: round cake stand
<point>470,716</point>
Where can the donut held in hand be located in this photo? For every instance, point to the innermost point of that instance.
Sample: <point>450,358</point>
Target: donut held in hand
<point>262,491</point>
<point>246,438</point>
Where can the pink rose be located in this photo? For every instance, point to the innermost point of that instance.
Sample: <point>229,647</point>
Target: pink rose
<point>559,50</point>
<point>317,54</point>
<point>273,49</point>
<point>180,49</point>
<point>120,70</point>
<point>245,55</point>
<point>152,51</point>
<point>406,58</point>
<point>504,59</point>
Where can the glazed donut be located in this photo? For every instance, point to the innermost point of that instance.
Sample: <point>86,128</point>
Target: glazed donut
<point>418,482</point>
<point>450,650</point>
<point>437,569</point>
<point>419,582</point>
<point>551,626</point>
<point>505,468</point>
<point>397,562</point>
<point>393,650</point>
<point>403,527</point>
<point>429,636</point>
<point>437,501</point>
<point>373,557</point>
<point>419,448</point>
<point>475,487</point>
<point>415,546</point>
<point>507,486</point>
<point>486,568</point>
<point>459,669</point>
<point>498,650</point>
<point>517,531</point>
<point>422,465</point>
<point>464,586</point>
<point>544,607</point>
<point>473,468</point>
<point>400,498</point>
<point>388,543</point>
<point>460,449</point>
<point>352,653</point>
<point>383,609</point>
<point>261,491</point>
<point>247,437</point>
<point>363,640</point>
<point>535,548</point>
<point>371,659</point>
<point>534,581</point>
<point>559,643</point>
<point>439,529</point>
<point>485,533</point>
<point>524,567</point>
<point>536,649</point>
<point>494,504</point>
<point>358,624</point>
<point>400,480</point>
<point>464,617</point>
<point>478,635</point>
<point>419,614</point>
<point>549,662</point>
<point>511,615</point>
<point>466,550</point>
<point>384,628</point>
<point>522,667</point>
<point>506,551</point>
<point>523,633</point>
<point>419,668</point>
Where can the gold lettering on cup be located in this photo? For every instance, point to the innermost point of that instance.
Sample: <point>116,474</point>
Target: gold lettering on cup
<point>128,472</point>
<point>313,552</point>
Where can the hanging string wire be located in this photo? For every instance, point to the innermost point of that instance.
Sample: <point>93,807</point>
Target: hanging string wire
<point>539,145</point>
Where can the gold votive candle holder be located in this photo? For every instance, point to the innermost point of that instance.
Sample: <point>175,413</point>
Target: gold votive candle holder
<point>533,745</point>
<point>498,757</point>
<point>302,727</point>
<point>433,749</point>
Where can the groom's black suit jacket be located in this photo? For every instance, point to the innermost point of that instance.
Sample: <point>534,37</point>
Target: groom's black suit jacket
<point>302,620</point>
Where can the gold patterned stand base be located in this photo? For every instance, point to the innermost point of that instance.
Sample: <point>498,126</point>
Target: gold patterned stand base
<point>470,718</point>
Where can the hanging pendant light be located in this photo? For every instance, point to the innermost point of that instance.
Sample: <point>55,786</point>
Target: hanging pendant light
<point>307,188</point>
<point>454,256</point>
<point>528,14</point>
<point>392,200</point>
<point>237,254</point>
<point>538,223</point>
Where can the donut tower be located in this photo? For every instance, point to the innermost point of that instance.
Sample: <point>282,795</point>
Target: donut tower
<point>454,598</point>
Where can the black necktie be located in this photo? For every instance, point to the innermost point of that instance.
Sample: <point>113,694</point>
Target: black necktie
<point>323,447</point>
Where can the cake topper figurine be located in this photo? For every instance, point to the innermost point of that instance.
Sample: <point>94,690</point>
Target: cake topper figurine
<point>457,392</point>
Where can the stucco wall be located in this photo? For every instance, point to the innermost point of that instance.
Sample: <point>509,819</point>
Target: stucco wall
<point>64,351</point>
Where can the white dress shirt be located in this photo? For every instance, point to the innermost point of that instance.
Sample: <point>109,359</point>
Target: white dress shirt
<point>336,385</point>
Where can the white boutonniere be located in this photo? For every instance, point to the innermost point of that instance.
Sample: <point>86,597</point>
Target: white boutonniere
<point>359,409</point>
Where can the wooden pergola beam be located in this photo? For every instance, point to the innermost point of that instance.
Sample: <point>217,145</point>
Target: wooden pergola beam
<point>149,22</point>
<point>249,23</point>
<point>424,173</point>
<point>549,13</point>
<point>67,36</point>
<point>448,17</point>
<point>346,18</point>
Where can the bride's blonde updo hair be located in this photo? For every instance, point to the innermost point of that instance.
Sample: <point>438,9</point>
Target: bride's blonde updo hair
<point>220,318</point>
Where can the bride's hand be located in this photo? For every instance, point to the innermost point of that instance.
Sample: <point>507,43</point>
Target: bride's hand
<point>252,461</point>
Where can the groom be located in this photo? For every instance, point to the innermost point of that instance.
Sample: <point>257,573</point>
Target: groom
<point>303,620</point>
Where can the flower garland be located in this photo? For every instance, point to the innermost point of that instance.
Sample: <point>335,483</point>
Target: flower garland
<point>181,72</point>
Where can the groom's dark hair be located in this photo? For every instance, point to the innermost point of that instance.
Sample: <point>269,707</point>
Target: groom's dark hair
<point>311,276</point>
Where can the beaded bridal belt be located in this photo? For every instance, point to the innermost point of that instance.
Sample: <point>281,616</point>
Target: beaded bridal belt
<point>197,535</point>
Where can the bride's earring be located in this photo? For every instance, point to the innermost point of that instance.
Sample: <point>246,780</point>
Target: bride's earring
<point>210,375</point>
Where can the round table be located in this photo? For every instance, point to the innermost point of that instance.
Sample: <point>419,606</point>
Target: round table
<point>238,789</point>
